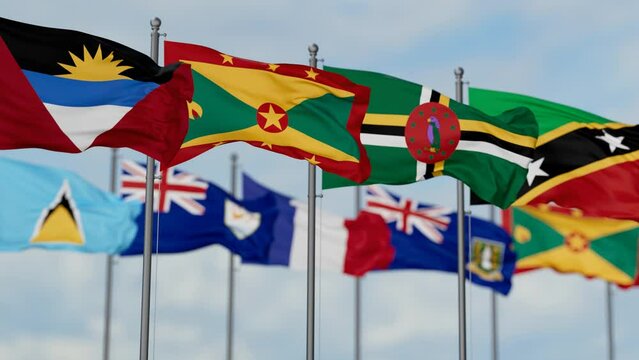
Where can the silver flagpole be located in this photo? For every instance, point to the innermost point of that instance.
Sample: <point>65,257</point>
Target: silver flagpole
<point>358,292</point>
<point>609,316</point>
<point>109,270</point>
<point>493,306</point>
<point>310,263</point>
<point>229,320</point>
<point>461,263</point>
<point>148,221</point>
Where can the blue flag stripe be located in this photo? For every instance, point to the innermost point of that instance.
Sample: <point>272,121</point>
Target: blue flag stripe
<point>70,92</point>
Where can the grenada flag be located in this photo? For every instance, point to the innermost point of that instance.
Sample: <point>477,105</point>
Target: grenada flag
<point>295,110</point>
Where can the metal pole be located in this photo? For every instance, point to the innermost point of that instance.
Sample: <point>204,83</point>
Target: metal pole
<point>609,315</point>
<point>461,262</point>
<point>148,222</point>
<point>493,307</point>
<point>310,270</point>
<point>109,270</point>
<point>229,320</point>
<point>358,292</point>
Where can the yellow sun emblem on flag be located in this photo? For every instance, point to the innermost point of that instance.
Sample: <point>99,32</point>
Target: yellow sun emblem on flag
<point>94,68</point>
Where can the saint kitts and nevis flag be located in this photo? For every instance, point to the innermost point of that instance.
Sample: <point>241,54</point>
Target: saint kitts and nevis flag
<point>64,90</point>
<point>295,110</point>
<point>581,161</point>
<point>413,133</point>
<point>568,242</point>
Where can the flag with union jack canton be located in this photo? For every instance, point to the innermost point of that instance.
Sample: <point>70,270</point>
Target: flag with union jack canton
<point>194,213</point>
<point>425,237</point>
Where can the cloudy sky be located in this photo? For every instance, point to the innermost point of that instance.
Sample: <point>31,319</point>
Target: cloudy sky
<point>580,53</point>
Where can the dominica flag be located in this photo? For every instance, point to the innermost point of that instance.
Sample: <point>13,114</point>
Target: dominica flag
<point>295,110</point>
<point>581,161</point>
<point>413,133</point>
<point>568,242</point>
<point>65,90</point>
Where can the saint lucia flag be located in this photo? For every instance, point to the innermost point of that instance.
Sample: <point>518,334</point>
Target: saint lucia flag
<point>48,208</point>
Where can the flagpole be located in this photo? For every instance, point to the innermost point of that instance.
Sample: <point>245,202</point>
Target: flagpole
<point>310,263</point>
<point>358,291</point>
<point>493,305</point>
<point>609,318</point>
<point>229,320</point>
<point>461,263</point>
<point>109,270</point>
<point>148,221</point>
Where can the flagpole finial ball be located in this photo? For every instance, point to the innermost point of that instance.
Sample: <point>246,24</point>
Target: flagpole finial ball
<point>459,71</point>
<point>156,22</point>
<point>313,48</point>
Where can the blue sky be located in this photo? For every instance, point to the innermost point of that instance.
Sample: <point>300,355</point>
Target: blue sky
<point>580,53</point>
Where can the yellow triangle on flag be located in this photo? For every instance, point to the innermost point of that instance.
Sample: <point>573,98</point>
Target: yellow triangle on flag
<point>59,222</point>
<point>587,262</point>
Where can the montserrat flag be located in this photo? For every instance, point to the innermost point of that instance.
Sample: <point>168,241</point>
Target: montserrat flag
<point>565,240</point>
<point>64,90</point>
<point>54,209</point>
<point>582,160</point>
<point>295,110</point>
<point>413,133</point>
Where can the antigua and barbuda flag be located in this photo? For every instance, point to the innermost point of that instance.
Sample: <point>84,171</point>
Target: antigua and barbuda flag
<point>194,213</point>
<point>49,208</point>
<point>64,90</point>
<point>425,237</point>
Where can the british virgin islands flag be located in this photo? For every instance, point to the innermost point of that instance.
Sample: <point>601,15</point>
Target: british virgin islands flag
<point>425,237</point>
<point>194,213</point>
<point>64,90</point>
<point>48,208</point>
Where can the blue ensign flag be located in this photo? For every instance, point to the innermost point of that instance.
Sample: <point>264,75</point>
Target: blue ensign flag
<point>49,208</point>
<point>194,213</point>
<point>425,237</point>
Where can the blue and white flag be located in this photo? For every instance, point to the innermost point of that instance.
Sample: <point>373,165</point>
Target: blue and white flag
<point>49,208</point>
<point>194,213</point>
<point>425,237</point>
<point>349,246</point>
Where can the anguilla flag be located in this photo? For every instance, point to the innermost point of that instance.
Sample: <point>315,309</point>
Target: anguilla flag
<point>48,208</point>
<point>66,91</point>
<point>194,213</point>
<point>425,237</point>
<point>349,246</point>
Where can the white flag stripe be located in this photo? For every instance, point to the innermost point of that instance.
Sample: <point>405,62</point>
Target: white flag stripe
<point>83,124</point>
<point>494,150</point>
<point>330,232</point>
<point>383,140</point>
<point>425,95</point>
<point>420,168</point>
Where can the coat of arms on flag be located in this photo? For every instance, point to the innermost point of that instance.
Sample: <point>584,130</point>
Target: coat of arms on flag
<point>242,222</point>
<point>171,186</point>
<point>486,259</point>
<point>431,221</point>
